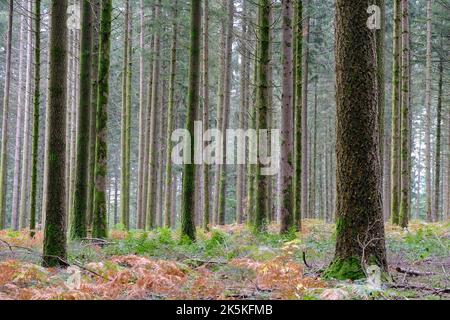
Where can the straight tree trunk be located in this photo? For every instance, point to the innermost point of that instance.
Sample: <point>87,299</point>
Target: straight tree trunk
<point>261,180</point>
<point>226,110</point>
<point>360,226</point>
<point>188,192</point>
<point>99,227</point>
<point>219,115</point>
<point>24,194</point>
<point>142,113</point>
<point>395,165</point>
<point>313,183</point>
<point>152,168</point>
<point>405,100</point>
<point>241,115</point>
<point>298,52</point>
<point>126,108</point>
<point>287,121</point>
<point>78,228</point>
<point>305,71</point>
<point>55,248</point>
<point>36,115</point>
<point>205,169</point>
<point>437,159</point>
<point>429,215</point>
<point>93,108</point>
<point>170,118</point>
<point>19,125</point>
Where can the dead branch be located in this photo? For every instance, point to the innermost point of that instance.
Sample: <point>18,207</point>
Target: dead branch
<point>413,273</point>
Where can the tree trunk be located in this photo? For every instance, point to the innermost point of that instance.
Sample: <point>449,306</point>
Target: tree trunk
<point>55,250</point>
<point>152,168</point>
<point>36,115</point>
<point>287,121</point>
<point>219,116</point>
<point>437,159</point>
<point>188,193</point>
<point>298,50</point>
<point>170,117</point>
<point>395,165</point>
<point>142,114</point>
<point>226,110</point>
<point>99,227</point>
<point>205,169</point>
<point>262,181</point>
<point>429,215</point>
<point>19,125</point>
<point>405,100</point>
<point>78,228</point>
<point>305,70</point>
<point>24,194</point>
<point>93,108</point>
<point>126,108</point>
<point>240,179</point>
<point>360,226</point>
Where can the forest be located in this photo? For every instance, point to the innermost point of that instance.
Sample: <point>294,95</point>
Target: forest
<point>224,150</point>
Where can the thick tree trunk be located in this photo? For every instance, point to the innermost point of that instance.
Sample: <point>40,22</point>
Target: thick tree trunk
<point>287,121</point>
<point>55,225</point>
<point>99,227</point>
<point>360,226</point>
<point>78,228</point>
<point>188,193</point>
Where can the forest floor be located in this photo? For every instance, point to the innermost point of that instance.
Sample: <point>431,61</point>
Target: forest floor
<point>227,263</point>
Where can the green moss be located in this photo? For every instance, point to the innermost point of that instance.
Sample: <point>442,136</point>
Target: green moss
<point>345,269</point>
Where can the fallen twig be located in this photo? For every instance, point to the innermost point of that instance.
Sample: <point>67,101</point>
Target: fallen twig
<point>413,273</point>
<point>420,288</point>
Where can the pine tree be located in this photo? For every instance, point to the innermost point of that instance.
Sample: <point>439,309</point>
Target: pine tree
<point>405,100</point>
<point>287,121</point>
<point>360,227</point>
<point>36,115</point>
<point>78,229</point>
<point>99,227</point>
<point>55,250</point>
<point>187,205</point>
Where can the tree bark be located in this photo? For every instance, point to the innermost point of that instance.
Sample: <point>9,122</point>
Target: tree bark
<point>170,117</point>
<point>36,115</point>
<point>360,226</point>
<point>152,168</point>
<point>78,228</point>
<point>188,193</point>
<point>19,125</point>
<point>287,121</point>
<point>429,215</point>
<point>437,159</point>
<point>99,227</point>
<point>405,100</point>
<point>395,165</point>
<point>55,250</point>
<point>205,169</point>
